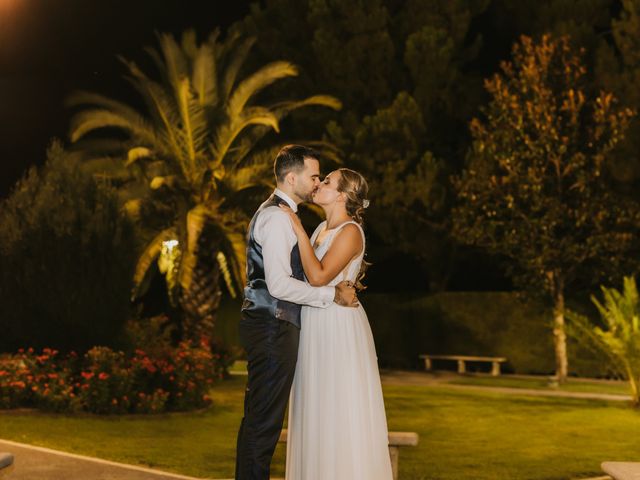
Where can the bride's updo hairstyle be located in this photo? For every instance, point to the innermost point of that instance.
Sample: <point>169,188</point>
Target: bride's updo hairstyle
<point>355,187</point>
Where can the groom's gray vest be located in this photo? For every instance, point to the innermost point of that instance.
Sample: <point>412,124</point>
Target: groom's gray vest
<point>257,300</point>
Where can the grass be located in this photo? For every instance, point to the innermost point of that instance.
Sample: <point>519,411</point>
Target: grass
<point>463,434</point>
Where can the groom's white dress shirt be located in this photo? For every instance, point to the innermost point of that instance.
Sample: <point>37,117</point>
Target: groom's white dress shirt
<point>274,233</point>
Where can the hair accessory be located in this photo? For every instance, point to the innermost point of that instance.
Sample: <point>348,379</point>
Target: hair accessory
<point>365,203</point>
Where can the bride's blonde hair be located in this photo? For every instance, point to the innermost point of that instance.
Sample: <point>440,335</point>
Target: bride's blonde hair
<point>356,188</point>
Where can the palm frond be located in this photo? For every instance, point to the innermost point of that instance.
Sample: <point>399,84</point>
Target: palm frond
<point>141,277</point>
<point>189,43</point>
<point>136,153</point>
<point>165,113</point>
<point>257,169</point>
<point>228,132</point>
<point>175,61</point>
<point>248,141</point>
<point>238,57</point>
<point>160,104</point>
<point>283,108</point>
<point>82,97</point>
<point>194,123</point>
<point>236,254</point>
<point>253,84</point>
<point>204,75</point>
<point>227,240</point>
<point>94,119</point>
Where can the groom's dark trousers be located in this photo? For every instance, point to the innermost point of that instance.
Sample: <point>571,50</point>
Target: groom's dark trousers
<point>269,332</point>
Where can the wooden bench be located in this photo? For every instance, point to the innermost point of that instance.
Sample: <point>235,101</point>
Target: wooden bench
<point>462,359</point>
<point>396,440</point>
<point>6,463</point>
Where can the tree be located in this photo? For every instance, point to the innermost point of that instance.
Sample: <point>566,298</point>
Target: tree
<point>409,147</point>
<point>66,258</point>
<point>534,189</point>
<point>618,70</point>
<point>191,160</point>
<point>405,183</point>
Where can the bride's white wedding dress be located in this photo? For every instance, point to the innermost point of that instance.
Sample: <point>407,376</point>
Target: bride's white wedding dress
<point>337,425</point>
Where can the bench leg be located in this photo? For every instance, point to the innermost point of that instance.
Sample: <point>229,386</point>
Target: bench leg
<point>427,364</point>
<point>394,452</point>
<point>461,366</point>
<point>7,470</point>
<point>495,369</point>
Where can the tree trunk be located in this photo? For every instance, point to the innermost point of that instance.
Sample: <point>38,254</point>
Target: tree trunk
<point>633,384</point>
<point>201,301</point>
<point>559,334</point>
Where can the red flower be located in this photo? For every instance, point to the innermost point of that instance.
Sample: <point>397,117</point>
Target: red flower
<point>103,376</point>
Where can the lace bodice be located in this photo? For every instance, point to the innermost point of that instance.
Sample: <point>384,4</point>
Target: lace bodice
<point>350,272</point>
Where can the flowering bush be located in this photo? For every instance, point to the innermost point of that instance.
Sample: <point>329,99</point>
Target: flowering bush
<point>106,381</point>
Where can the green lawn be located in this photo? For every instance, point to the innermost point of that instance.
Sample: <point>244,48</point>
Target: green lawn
<point>463,435</point>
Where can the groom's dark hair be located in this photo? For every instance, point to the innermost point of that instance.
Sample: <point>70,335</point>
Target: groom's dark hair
<point>291,158</point>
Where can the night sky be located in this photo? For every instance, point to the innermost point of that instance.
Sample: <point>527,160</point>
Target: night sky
<point>49,48</point>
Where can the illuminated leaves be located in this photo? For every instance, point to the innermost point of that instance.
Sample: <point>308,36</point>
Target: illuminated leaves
<point>533,189</point>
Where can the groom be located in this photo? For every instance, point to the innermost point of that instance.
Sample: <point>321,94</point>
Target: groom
<point>270,315</point>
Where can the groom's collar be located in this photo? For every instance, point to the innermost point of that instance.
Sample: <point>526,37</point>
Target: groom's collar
<point>286,198</point>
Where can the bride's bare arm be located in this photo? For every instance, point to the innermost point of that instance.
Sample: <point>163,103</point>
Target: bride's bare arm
<point>346,246</point>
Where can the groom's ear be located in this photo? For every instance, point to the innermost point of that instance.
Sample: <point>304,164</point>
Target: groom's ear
<point>290,178</point>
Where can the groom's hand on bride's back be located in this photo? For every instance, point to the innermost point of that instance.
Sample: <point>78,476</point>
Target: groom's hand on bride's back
<point>346,294</point>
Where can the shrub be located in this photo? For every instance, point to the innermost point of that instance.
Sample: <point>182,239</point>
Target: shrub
<point>470,323</point>
<point>105,381</point>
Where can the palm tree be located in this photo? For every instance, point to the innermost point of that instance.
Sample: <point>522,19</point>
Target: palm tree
<point>617,337</point>
<point>186,164</point>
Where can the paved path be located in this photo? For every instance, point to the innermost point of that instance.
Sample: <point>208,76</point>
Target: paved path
<point>36,463</point>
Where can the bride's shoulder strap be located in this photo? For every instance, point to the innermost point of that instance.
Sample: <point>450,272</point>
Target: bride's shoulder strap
<point>354,223</point>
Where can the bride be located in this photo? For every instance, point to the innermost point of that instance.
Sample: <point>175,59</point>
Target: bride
<point>337,427</point>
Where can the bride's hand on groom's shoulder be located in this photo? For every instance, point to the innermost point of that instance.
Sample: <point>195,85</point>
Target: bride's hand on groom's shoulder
<point>295,220</point>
